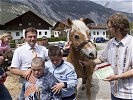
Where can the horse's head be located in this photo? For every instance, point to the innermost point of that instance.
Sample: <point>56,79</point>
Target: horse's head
<point>80,37</point>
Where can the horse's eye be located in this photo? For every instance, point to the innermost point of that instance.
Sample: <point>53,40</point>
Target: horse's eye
<point>76,37</point>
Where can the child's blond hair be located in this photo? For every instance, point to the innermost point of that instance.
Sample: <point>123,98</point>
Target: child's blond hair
<point>2,36</point>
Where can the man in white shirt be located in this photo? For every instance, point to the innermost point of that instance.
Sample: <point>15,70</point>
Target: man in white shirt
<point>23,55</point>
<point>119,53</point>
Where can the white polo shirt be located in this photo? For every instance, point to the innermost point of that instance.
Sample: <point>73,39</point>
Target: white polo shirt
<point>23,56</point>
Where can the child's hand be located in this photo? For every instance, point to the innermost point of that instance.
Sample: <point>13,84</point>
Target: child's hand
<point>57,87</point>
<point>1,59</point>
<point>3,77</point>
<point>6,48</point>
<point>37,94</point>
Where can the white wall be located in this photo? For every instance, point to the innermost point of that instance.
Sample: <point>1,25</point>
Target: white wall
<point>56,33</point>
<point>101,31</point>
<point>41,33</point>
<point>46,33</point>
<point>13,33</point>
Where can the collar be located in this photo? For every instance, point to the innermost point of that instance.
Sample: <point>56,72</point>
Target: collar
<point>60,63</point>
<point>123,42</point>
<point>29,47</point>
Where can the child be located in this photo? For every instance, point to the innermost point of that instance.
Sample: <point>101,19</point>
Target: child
<point>4,45</point>
<point>64,72</point>
<point>40,87</point>
<point>4,48</point>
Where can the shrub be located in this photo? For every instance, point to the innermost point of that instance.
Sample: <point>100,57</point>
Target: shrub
<point>12,45</point>
<point>54,39</point>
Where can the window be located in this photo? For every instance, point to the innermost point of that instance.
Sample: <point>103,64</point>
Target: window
<point>103,33</point>
<point>45,33</point>
<point>40,33</point>
<point>17,34</point>
<point>94,33</point>
<point>97,33</point>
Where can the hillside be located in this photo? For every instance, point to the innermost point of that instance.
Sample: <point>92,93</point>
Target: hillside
<point>54,10</point>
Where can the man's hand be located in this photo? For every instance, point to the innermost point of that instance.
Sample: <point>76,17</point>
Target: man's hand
<point>28,75</point>
<point>67,45</point>
<point>57,87</point>
<point>102,65</point>
<point>111,78</point>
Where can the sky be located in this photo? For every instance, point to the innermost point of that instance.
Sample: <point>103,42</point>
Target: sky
<point>119,5</point>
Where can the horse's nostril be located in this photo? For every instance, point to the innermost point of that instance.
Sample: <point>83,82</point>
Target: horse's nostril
<point>91,55</point>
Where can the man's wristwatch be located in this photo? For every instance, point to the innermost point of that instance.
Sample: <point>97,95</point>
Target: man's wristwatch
<point>119,77</point>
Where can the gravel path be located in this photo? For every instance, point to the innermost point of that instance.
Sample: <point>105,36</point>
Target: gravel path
<point>100,89</point>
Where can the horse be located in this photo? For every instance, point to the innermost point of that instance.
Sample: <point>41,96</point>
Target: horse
<point>81,49</point>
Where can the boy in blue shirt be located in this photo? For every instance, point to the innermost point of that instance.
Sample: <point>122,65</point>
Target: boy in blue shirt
<point>64,72</point>
<point>39,88</point>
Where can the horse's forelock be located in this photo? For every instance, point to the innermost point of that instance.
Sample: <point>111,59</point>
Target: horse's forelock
<point>80,26</point>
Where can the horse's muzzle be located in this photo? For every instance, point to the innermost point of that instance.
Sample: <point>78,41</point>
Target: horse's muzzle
<point>92,55</point>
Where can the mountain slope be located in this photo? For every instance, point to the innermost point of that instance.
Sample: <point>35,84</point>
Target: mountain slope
<point>57,9</point>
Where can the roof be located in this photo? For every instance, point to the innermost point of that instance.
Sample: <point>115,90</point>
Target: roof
<point>98,27</point>
<point>88,21</point>
<point>61,25</point>
<point>28,12</point>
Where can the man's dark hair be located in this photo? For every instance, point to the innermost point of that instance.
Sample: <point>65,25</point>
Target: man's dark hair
<point>30,29</point>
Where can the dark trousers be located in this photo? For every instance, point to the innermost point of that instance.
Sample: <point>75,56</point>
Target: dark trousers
<point>4,93</point>
<point>72,97</point>
<point>115,98</point>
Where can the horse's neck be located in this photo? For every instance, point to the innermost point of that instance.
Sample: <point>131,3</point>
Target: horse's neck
<point>73,56</point>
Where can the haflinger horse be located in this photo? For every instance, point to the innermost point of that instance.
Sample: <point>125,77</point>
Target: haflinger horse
<point>81,49</point>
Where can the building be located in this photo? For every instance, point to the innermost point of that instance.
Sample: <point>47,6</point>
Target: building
<point>98,32</point>
<point>61,28</point>
<point>18,25</point>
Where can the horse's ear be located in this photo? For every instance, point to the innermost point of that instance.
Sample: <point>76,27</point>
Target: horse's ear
<point>82,20</point>
<point>69,22</point>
